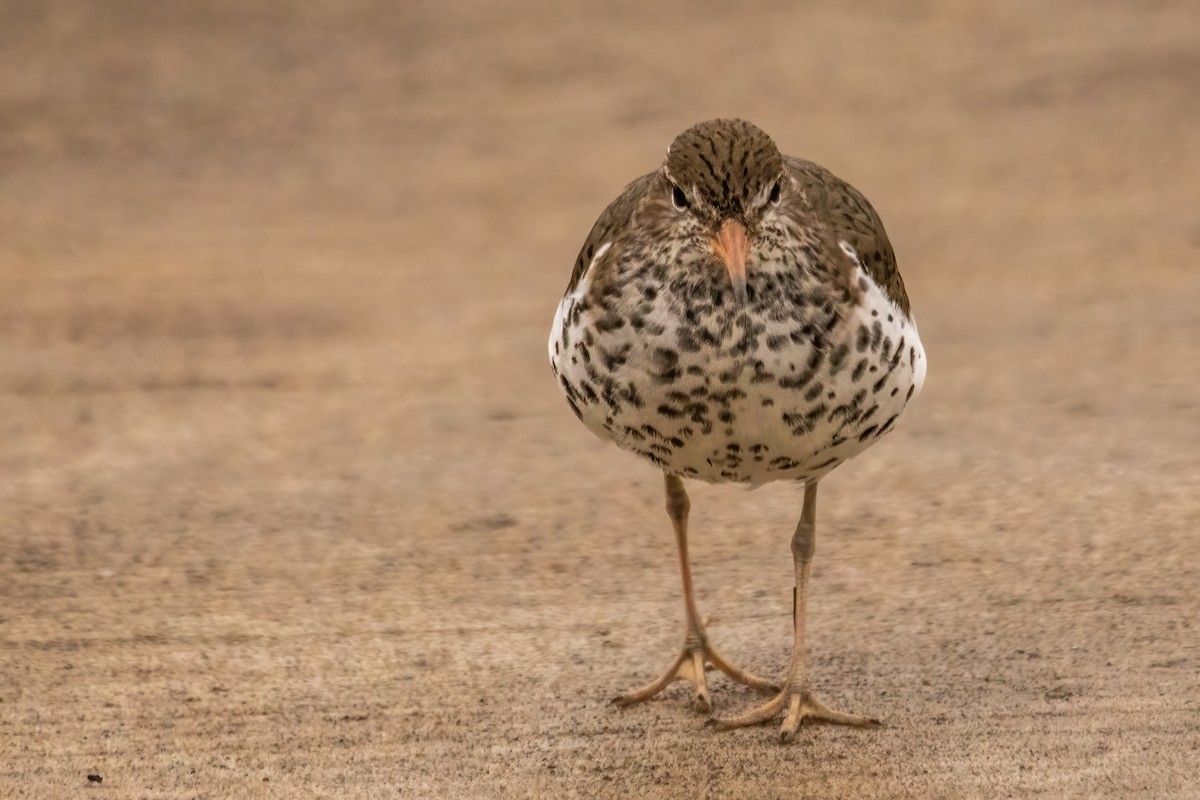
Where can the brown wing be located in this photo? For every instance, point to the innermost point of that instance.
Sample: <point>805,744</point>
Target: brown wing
<point>614,218</point>
<point>851,218</point>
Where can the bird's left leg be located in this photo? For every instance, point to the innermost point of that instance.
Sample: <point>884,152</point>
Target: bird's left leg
<point>797,701</point>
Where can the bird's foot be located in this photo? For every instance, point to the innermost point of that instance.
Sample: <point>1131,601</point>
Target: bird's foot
<point>696,656</point>
<point>799,705</point>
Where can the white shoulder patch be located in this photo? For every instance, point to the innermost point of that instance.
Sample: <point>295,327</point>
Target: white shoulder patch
<point>600,251</point>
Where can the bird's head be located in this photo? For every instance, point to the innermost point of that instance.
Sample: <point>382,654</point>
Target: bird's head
<point>724,177</point>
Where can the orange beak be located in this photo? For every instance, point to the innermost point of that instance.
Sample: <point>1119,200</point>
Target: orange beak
<point>732,246</point>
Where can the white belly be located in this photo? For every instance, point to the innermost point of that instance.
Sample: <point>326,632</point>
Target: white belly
<point>743,408</point>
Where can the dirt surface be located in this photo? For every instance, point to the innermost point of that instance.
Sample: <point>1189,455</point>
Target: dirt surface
<point>291,507</point>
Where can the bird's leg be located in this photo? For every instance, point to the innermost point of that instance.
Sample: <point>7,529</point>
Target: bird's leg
<point>697,653</point>
<point>796,700</point>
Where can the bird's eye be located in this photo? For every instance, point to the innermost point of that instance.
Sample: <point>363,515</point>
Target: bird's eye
<point>679,198</point>
<point>775,190</point>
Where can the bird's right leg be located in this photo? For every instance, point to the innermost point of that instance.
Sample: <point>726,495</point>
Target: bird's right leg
<point>697,653</point>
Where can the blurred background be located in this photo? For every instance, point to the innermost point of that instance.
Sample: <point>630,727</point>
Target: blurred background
<point>289,499</point>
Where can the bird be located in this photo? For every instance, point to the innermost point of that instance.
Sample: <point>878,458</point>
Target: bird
<point>737,316</point>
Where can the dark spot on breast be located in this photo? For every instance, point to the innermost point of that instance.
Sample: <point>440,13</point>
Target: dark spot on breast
<point>761,374</point>
<point>609,322</point>
<point>727,396</point>
<point>652,458</point>
<point>611,359</point>
<point>859,369</point>
<point>813,414</point>
<point>687,340</point>
<point>666,365</point>
<point>633,397</point>
<point>664,357</point>
<point>838,358</point>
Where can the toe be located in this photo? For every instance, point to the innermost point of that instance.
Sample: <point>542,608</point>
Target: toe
<point>819,712</point>
<point>791,722</point>
<point>754,716</point>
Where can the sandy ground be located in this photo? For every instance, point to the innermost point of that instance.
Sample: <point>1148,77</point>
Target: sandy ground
<point>290,505</point>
